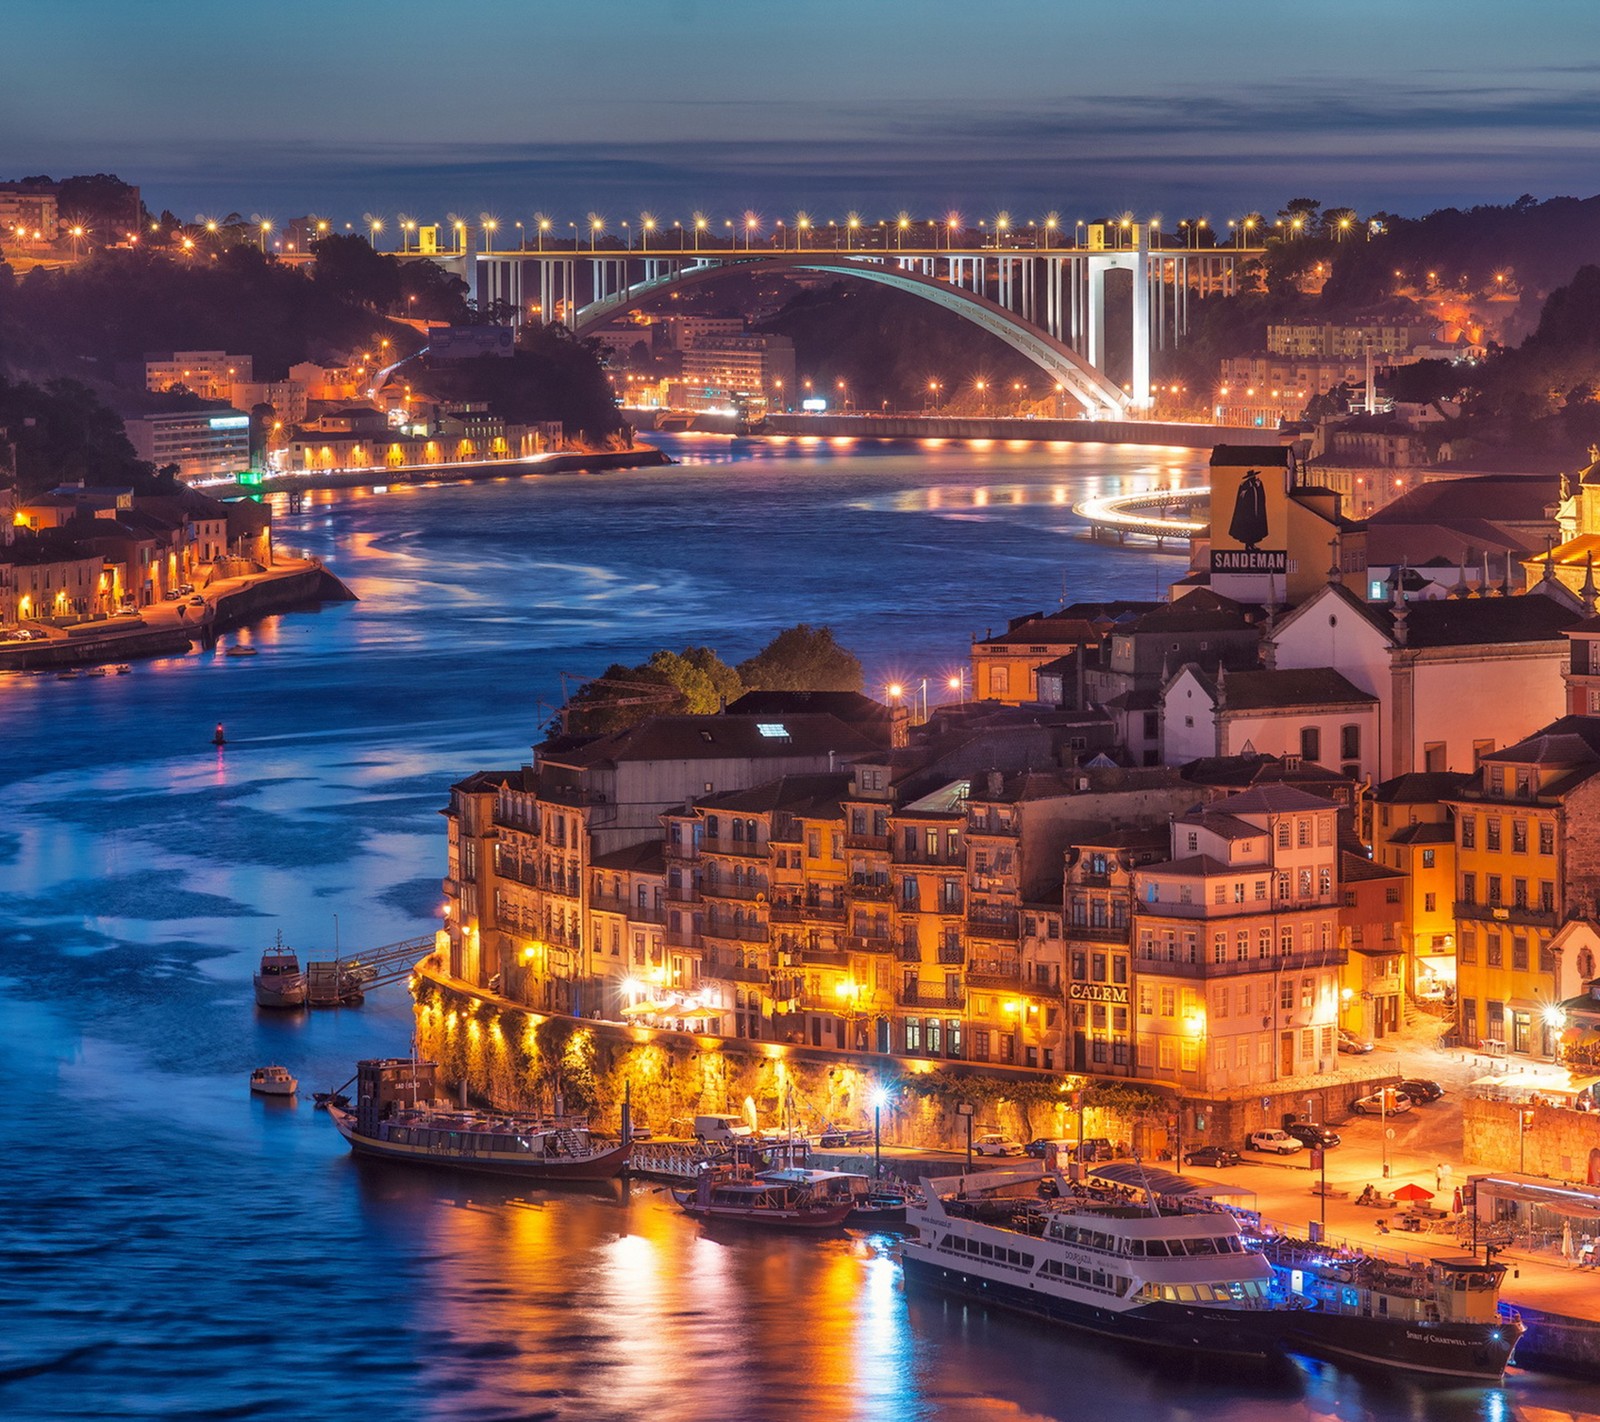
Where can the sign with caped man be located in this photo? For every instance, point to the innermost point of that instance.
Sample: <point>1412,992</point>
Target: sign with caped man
<point>1249,513</point>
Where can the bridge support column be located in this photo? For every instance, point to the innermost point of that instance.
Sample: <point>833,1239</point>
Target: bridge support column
<point>1096,297</point>
<point>1141,322</point>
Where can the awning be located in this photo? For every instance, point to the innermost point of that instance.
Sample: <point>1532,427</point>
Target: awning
<point>1140,1177</point>
<point>1577,1202</point>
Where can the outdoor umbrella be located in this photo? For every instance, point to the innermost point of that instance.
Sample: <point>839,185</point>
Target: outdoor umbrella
<point>1455,1204</point>
<point>1413,1193</point>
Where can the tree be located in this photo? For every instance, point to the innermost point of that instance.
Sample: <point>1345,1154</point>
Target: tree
<point>802,658</point>
<point>1302,210</point>
<point>101,202</point>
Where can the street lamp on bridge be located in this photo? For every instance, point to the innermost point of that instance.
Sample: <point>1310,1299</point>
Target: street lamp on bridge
<point>597,225</point>
<point>699,227</point>
<point>852,223</point>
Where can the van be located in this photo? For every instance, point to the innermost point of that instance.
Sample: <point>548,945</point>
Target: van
<point>721,1130</point>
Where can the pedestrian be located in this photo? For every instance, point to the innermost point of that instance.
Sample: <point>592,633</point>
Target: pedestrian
<point>1438,1179</point>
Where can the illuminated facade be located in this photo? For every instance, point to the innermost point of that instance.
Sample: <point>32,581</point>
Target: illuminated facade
<point>203,444</point>
<point>1413,831</point>
<point>209,374</point>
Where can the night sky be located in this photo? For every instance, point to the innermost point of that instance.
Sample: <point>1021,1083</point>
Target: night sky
<point>1153,106</point>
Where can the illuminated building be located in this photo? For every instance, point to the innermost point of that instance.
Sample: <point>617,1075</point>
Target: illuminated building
<point>209,374</point>
<point>1413,831</point>
<point>204,444</point>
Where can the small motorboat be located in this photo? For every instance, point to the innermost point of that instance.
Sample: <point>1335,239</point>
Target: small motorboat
<point>279,982</point>
<point>273,1081</point>
<point>240,652</point>
<point>731,1194</point>
<point>123,669</point>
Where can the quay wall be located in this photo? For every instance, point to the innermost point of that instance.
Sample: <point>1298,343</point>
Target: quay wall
<point>1556,1342</point>
<point>277,593</point>
<point>1557,1143</point>
<point>1152,432</point>
<point>575,463</point>
<point>517,1058</point>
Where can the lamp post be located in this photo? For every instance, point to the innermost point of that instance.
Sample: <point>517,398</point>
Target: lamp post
<point>1524,1120</point>
<point>879,1096</point>
<point>958,684</point>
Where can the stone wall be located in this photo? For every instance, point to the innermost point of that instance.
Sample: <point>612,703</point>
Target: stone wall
<point>518,1059</point>
<point>1556,1143</point>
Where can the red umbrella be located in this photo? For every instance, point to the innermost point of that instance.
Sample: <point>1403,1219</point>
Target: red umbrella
<point>1413,1193</point>
<point>1455,1204</point>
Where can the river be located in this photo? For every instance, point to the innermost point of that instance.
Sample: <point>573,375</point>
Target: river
<point>174,1248</point>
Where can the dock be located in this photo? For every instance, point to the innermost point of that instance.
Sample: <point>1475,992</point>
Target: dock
<point>345,981</point>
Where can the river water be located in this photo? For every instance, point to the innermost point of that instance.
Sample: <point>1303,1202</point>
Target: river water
<point>173,1248</point>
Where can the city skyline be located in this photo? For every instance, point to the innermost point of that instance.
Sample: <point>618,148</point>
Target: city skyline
<point>1161,108</point>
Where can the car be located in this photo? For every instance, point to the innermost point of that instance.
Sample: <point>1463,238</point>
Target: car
<point>1095,1148</point>
<point>184,589</point>
<point>197,601</point>
<point>1218,1157</point>
<point>1039,1148</point>
<point>1317,1137</point>
<point>1349,1042</point>
<point>994,1143</point>
<point>1381,1103</point>
<point>1272,1142</point>
<point>1421,1090</point>
<point>171,595</point>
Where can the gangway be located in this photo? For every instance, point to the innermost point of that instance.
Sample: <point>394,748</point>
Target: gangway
<point>346,979</point>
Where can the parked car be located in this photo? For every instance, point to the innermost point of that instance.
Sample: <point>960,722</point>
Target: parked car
<point>1095,1148</point>
<point>184,589</point>
<point>1349,1042</point>
<point>171,595</point>
<point>1312,1135</point>
<point>1272,1142</point>
<point>994,1143</point>
<point>197,601</point>
<point>1421,1090</point>
<point>1039,1148</point>
<point>1389,1102</point>
<point>1218,1157</point>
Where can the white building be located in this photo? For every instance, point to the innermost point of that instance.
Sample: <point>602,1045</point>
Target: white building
<point>204,444</point>
<point>1313,713</point>
<point>1454,679</point>
<point>208,374</point>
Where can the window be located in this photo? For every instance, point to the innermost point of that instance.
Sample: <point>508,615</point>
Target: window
<point>1427,858</point>
<point>1169,1002</point>
<point>1492,949</point>
<point>1519,836</point>
<point>1302,836</point>
<point>1310,743</point>
<point>1491,827</point>
<point>1194,841</point>
<point>1238,892</point>
<point>1166,1054</point>
<point>1286,995</point>
<point>1468,946</point>
<point>1147,999</point>
<point>1325,880</point>
<point>1430,903</point>
<point>1519,954</point>
<point>1469,831</point>
<point>1547,896</point>
<point>1350,742</point>
<point>1219,947</point>
<point>1547,837</point>
<point>1519,893</point>
<point>1492,887</point>
<point>1261,891</point>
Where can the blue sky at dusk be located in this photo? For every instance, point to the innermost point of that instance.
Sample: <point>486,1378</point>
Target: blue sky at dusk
<point>345,106</point>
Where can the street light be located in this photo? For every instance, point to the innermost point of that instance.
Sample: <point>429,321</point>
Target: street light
<point>647,225</point>
<point>802,225</point>
<point>699,227</point>
<point>1524,1120</point>
<point>597,225</point>
<point>852,222</point>
<point>880,1097</point>
<point>958,684</point>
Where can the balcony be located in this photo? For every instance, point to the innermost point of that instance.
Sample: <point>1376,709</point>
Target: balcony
<point>863,886</point>
<point>992,922</point>
<point>953,954</point>
<point>719,889</point>
<point>683,894</point>
<point>785,912</point>
<point>824,913</point>
<point>1522,914</point>
<point>732,970</point>
<point>1316,958</point>
<point>957,859</point>
<point>633,912</point>
<point>988,973</point>
<point>682,938</point>
<point>734,848</point>
<point>822,958</point>
<point>919,995</point>
<point>1098,932</point>
<point>867,841</point>
<point>869,942</point>
<point>734,932</point>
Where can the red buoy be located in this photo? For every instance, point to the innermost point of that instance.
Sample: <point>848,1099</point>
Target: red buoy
<point>219,739</point>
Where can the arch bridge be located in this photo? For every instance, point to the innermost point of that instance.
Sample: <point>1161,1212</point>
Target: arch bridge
<point>1050,305</point>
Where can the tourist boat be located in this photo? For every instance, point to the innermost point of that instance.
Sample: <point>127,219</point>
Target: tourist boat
<point>1092,1259</point>
<point>395,1119</point>
<point>240,652</point>
<point>1143,1258</point>
<point>273,1081</point>
<point>1437,1316</point>
<point>279,982</point>
<point>733,1194</point>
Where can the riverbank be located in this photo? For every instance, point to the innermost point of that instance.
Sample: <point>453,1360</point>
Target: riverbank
<point>575,462</point>
<point>170,629</point>
<point>1167,433</point>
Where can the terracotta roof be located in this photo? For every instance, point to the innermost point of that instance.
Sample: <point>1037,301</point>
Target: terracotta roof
<point>1424,832</point>
<point>1421,787</point>
<point>647,857</point>
<point>1357,868</point>
<point>814,795</point>
<point>1272,799</point>
<point>691,738</point>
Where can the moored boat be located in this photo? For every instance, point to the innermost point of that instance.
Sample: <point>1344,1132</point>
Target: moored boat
<point>1437,1317</point>
<point>273,1081</point>
<point>395,1119</point>
<point>279,981</point>
<point>734,1195</point>
<point>873,1205</point>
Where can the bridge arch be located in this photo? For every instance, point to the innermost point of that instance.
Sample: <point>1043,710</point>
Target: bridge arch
<point>1100,397</point>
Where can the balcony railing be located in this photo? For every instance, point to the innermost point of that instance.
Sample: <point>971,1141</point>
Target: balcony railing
<point>1236,967</point>
<point>867,841</point>
<point>957,859</point>
<point>870,942</point>
<point>992,922</point>
<point>727,889</point>
<point>737,848</point>
<point>682,938</point>
<point>920,995</point>
<point>823,958</point>
<point>614,903</point>
<point>1527,915</point>
<point>733,970</point>
<point>1098,932</point>
<point>735,932</point>
<point>863,887</point>
<point>953,954</point>
<point>786,911</point>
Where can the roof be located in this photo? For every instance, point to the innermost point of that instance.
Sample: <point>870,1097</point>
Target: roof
<point>1520,498</point>
<point>1244,770</point>
<point>1535,616</point>
<point>1227,826</point>
<point>1568,741</point>
<point>796,793</point>
<point>1272,800</point>
<point>1235,455</point>
<point>1302,686</point>
<point>1356,868</point>
<point>724,737</point>
<point>1421,787</point>
<point>647,857</point>
<point>1049,629</point>
<point>1424,832</point>
<point>1190,864</point>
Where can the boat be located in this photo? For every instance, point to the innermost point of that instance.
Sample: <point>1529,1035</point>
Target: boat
<point>1438,1317</point>
<point>1137,1254</point>
<point>873,1204</point>
<point>240,652</point>
<point>1092,1259</point>
<point>279,982</point>
<point>395,1118</point>
<point>273,1081</point>
<point>122,669</point>
<point>734,1194</point>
